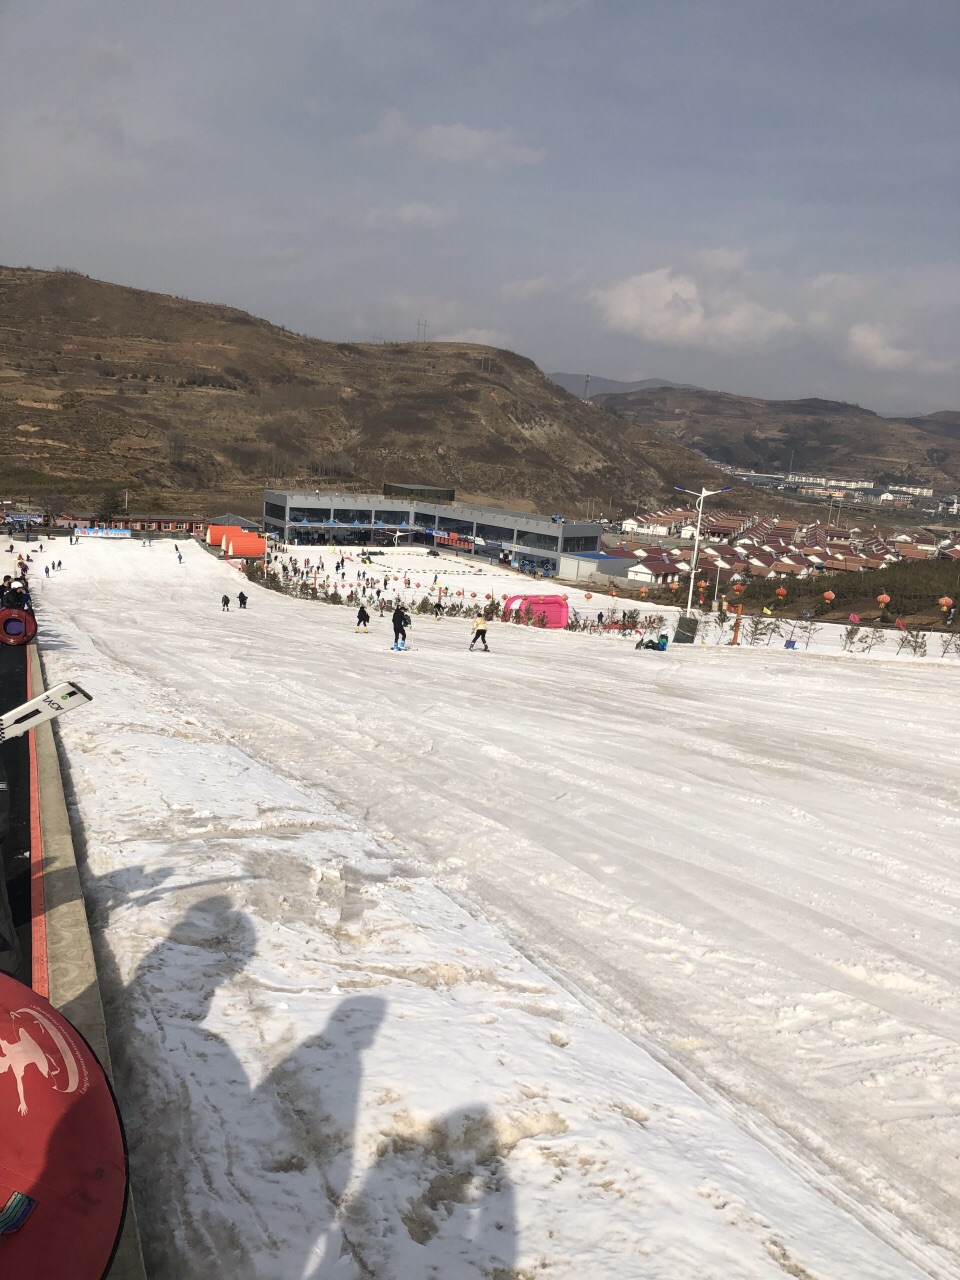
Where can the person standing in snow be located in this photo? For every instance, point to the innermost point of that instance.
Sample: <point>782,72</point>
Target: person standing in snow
<point>480,632</point>
<point>242,600</point>
<point>438,610</point>
<point>224,604</point>
<point>363,618</point>
<point>400,622</point>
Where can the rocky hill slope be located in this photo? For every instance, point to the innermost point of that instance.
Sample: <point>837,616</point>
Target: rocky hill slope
<point>821,436</point>
<point>103,386</point>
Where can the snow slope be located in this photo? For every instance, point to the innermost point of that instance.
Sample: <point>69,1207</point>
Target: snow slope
<point>741,863</point>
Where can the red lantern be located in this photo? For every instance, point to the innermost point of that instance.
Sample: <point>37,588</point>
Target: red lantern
<point>564,597</point>
<point>945,603</point>
<point>587,595</point>
<point>738,588</point>
<point>883,600</point>
<point>473,595</point>
<point>829,597</point>
<point>504,596</point>
<point>643,592</point>
<point>487,596</point>
<point>781,593</point>
<point>702,585</point>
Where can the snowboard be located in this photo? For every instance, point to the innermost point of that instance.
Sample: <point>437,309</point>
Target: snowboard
<point>49,705</point>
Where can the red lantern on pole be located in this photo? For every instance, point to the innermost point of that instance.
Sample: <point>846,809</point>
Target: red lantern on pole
<point>738,588</point>
<point>829,597</point>
<point>945,603</point>
<point>702,585</point>
<point>781,593</point>
<point>473,595</point>
<point>587,595</point>
<point>674,587</point>
<point>643,592</point>
<point>883,599</point>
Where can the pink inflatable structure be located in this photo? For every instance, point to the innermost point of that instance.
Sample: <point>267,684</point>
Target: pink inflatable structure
<point>555,607</point>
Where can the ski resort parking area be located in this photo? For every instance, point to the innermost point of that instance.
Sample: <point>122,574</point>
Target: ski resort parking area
<point>566,960</point>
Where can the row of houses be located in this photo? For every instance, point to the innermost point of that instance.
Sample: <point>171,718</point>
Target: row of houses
<point>762,547</point>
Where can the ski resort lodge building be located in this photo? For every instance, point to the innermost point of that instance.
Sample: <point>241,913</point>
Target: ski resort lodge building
<point>428,516</point>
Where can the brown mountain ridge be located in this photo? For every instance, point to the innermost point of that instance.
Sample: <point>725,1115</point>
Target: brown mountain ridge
<point>824,437</point>
<point>104,386</point>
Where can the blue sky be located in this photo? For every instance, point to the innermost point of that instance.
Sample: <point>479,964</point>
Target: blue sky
<point>755,195</point>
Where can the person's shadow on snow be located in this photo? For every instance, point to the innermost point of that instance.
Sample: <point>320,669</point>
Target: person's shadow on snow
<point>437,1203</point>
<point>261,1182</point>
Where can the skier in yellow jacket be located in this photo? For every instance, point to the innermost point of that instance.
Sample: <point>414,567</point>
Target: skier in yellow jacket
<point>480,632</point>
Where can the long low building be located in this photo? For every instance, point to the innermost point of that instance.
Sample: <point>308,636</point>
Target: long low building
<point>319,517</point>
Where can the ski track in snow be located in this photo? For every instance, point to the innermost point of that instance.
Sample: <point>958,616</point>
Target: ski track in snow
<point>745,862</point>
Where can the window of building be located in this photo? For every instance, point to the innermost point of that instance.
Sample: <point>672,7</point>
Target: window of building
<point>494,533</point>
<point>449,525</point>
<point>424,520</point>
<point>274,509</point>
<point>391,517</point>
<point>346,515</point>
<point>312,515</point>
<point>525,538</point>
<point>581,544</point>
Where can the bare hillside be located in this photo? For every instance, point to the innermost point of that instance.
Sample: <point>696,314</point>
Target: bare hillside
<point>105,386</point>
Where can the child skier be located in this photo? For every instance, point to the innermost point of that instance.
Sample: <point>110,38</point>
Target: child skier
<point>480,632</point>
<point>363,618</point>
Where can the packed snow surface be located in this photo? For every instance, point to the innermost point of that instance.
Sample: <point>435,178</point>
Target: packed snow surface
<point>565,960</point>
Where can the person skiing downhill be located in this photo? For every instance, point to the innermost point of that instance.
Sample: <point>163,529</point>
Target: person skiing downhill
<point>438,610</point>
<point>242,600</point>
<point>400,624</point>
<point>363,618</point>
<point>480,632</point>
<point>225,604</point>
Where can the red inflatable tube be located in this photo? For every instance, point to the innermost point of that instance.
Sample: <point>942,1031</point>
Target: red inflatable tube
<point>63,1159</point>
<point>17,626</point>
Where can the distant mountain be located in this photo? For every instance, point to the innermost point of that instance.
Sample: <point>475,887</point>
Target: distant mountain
<point>573,382</point>
<point>826,437</point>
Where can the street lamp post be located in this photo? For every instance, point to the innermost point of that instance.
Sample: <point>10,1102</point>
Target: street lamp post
<point>700,497</point>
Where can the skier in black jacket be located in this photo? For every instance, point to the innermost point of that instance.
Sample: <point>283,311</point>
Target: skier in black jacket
<point>363,618</point>
<point>400,621</point>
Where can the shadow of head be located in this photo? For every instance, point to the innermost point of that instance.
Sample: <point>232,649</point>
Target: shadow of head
<point>214,942</point>
<point>358,1020</point>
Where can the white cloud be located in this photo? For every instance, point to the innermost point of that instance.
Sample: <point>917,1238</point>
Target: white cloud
<point>482,337</point>
<point>672,309</point>
<point>452,143</point>
<point>872,345</point>
<point>413,216</point>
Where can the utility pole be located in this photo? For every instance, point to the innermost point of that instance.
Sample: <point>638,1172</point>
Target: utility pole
<point>701,497</point>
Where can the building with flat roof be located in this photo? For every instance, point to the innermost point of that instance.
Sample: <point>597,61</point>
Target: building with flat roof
<point>321,517</point>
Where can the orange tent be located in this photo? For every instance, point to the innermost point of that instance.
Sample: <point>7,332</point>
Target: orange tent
<point>249,546</point>
<point>215,533</point>
<point>219,535</point>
